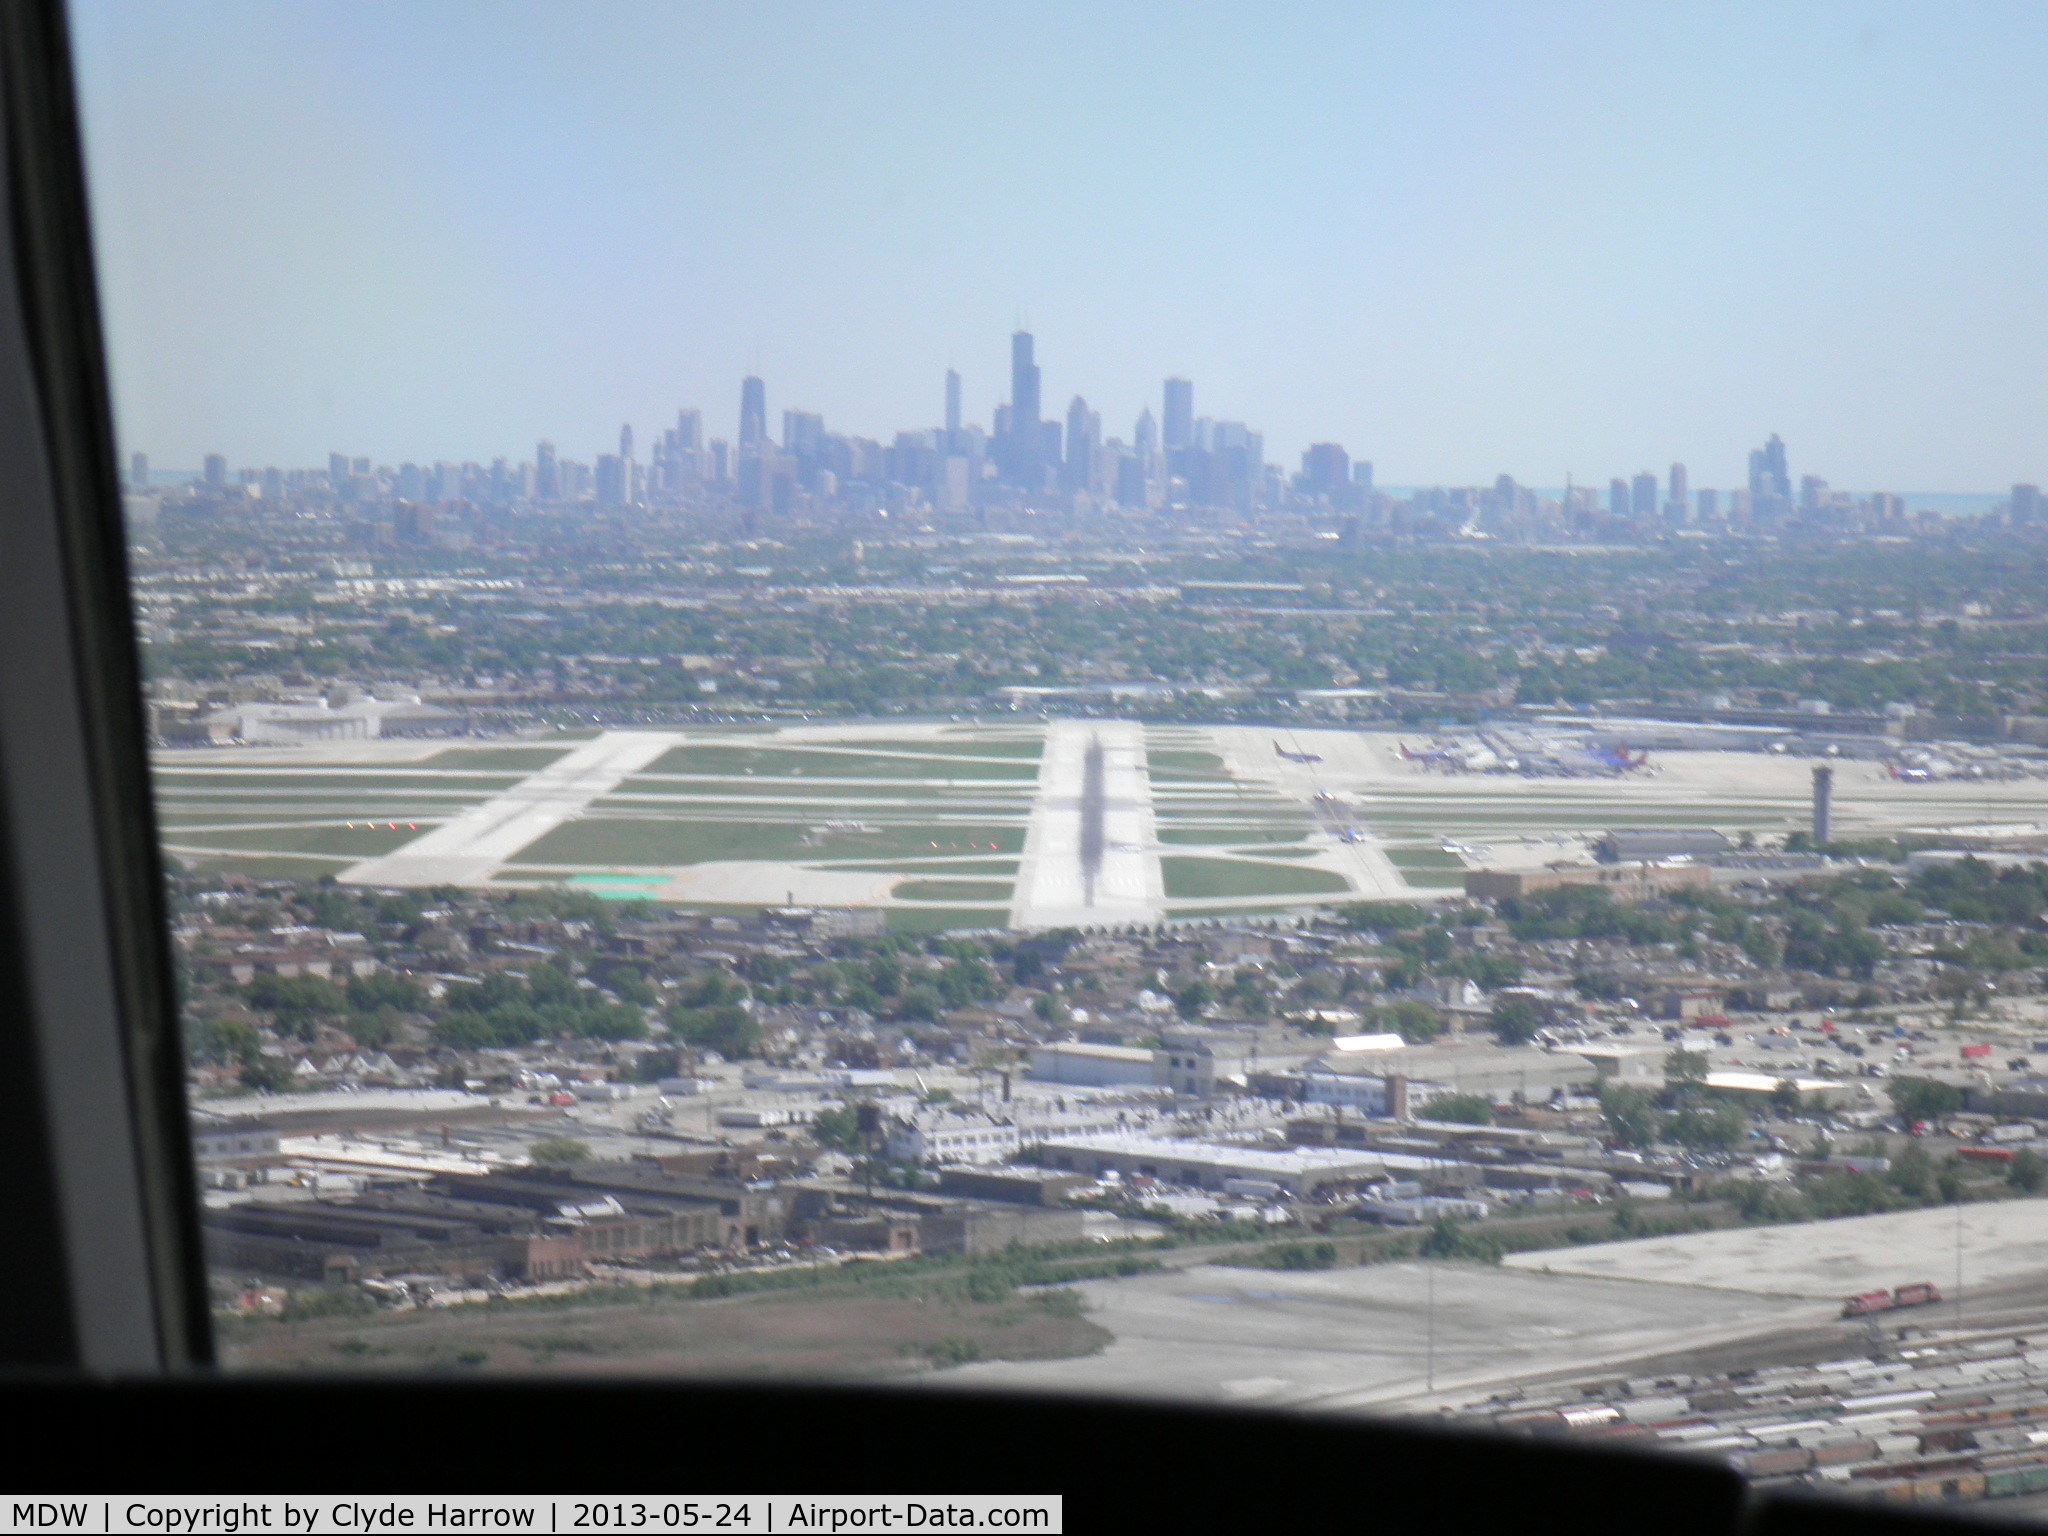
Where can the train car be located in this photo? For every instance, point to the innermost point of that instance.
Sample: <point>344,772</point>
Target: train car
<point>1867,1303</point>
<point>2001,1156</point>
<point>1921,1295</point>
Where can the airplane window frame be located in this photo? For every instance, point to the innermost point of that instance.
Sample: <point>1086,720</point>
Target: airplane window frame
<point>108,1273</point>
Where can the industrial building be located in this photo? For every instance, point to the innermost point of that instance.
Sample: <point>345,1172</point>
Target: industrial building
<point>1400,1083</point>
<point>1300,1171</point>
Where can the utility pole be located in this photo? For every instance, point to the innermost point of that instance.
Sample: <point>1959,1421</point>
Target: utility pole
<point>1959,1275</point>
<point>1430,1270</point>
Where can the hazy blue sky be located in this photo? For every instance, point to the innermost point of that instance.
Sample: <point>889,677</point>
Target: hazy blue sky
<point>1461,239</point>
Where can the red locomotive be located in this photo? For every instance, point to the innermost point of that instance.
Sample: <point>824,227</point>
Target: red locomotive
<point>1920,1294</point>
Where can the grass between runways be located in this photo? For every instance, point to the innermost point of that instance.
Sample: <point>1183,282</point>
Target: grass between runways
<point>1187,878</point>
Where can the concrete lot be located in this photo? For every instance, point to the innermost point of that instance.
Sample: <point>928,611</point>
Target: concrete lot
<point>1361,1337</point>
<point>1828,1260</point>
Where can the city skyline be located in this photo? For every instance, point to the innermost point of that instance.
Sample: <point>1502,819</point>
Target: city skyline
<point>1434,234</point>
<point>1026,449</point>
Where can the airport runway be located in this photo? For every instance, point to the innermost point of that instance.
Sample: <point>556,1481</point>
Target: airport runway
<point>1091,848</point>
<point>467,849</point>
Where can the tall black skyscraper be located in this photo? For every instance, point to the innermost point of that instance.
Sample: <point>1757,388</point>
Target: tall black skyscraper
<point>1024,453</point>
<point>753,417</point>
<point>1024,414</point>
<point>1177,428</point>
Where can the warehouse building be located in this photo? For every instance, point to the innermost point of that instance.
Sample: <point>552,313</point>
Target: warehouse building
<point>1300,1171</point>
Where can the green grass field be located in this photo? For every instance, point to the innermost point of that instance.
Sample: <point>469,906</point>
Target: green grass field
<point>833,763</point>
<point>1417,857</point>
<point>362,843</point>
<point>1193,878</point>
<point>953,890</point>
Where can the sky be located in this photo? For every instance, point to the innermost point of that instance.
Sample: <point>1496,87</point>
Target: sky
<point>1461,239</point>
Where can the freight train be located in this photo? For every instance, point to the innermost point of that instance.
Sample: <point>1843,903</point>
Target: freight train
<point>1921,1295</point>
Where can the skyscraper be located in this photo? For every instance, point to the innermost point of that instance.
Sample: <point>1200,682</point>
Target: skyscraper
<point>1145,436</point>
<point>2025,507</point>
<point>138,471</point>
<point>1084,433</point>
<point>1768,475</point>
<point>1179,420</point>
<point>689,430</point>
<point>952,403</point>
<point>1024,455</point>
<point>1326,471</point>
<point>547,484</point>
<point>216,470</point>
<point>1024,405</point>
<point>803,432</point>
<point>1617,498</point>
<point>1024,412</point>
<point>1644,498</point>
<point>1677,506</point>
<point>753,417</point>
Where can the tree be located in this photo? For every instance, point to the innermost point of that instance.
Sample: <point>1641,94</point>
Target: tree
<point>1912,1173</point>
<point>1631,1115</point>
<point>1785,1098</point>
<point>1516,1018</point>
<point>558,1152</point>
<point>1190,999</point>
<point>297,1000</point>
<point>2029,1171</point>
<point>838,1128</point>
<point>369,994</point>
<point>1924,1098</point>
<point>266,1074</point>
<point>728,1029</point>
<point>1413,1020</point>
<point>1460,1109</point>
<point>1685,1069</point>
<point>1715,1127</point>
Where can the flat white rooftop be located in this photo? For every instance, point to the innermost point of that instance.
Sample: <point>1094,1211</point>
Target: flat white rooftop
<point>1292,1160</point>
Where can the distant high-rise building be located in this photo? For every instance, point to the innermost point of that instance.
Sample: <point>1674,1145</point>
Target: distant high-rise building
<point>721,460</point>
<point>547,484</point>
<point>626,443</point>
<point>1145,436</point>
<point>1361,474</point>
<point>1617,498</point>
<point>2025,506</point>
<point>611,480</point>
<point>803,432</point>
<point>1084,434</point>
<point>138,471</point>
<point>1024,407</point>
<point>952,402</point>
<point>337,470</point>
<point>1025,441</point>
<point>1326,471</point>
<point>1643,497</point>
<point>689,431</point>
<point>753,417</point>
<point>216,470</point>
<point>1678,505</point>
<point>1768,475</point>
<point>1813,493</point>
<point>1178,424</point>
<point>1708,504</point>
